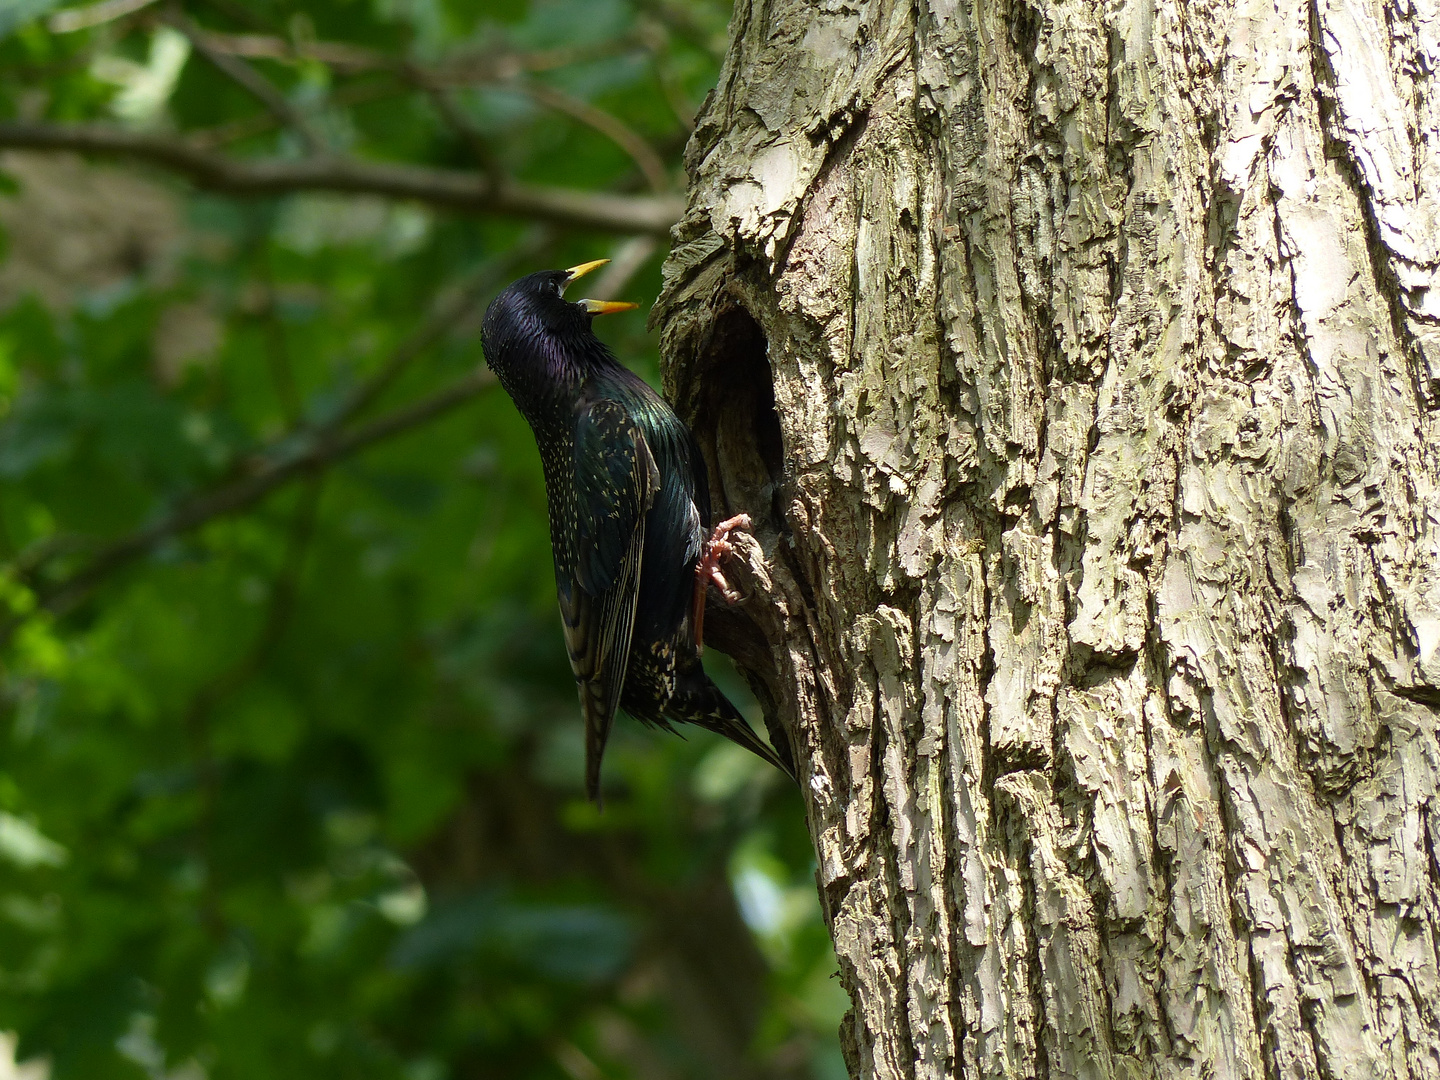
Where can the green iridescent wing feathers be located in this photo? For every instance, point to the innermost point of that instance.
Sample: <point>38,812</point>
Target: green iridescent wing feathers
<point>615,482</point>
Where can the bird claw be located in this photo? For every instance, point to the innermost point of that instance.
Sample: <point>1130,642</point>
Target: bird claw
<point>707,571</point>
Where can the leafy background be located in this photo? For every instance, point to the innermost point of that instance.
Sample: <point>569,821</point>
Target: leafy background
<point>290,758</point>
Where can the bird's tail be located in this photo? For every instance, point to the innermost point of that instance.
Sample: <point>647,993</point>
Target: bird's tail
<point>697,700</point>
<point>599,715</point>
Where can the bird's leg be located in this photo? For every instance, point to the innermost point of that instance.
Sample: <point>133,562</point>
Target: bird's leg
<point>707,570</point>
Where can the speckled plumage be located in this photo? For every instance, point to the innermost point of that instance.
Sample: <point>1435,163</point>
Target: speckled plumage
<point>628,505</point>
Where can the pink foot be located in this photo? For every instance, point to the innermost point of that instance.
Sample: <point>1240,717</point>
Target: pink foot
<point>707,571</point>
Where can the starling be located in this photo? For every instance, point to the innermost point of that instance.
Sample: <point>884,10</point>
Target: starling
<point>628,505</point>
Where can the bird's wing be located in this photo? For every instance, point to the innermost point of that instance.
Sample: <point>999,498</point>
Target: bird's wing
<point>615,484</point>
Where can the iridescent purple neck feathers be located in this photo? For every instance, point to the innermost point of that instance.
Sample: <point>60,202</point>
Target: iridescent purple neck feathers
<point>540,345</point>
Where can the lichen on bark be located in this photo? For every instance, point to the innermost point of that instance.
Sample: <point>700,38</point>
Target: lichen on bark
<point>1078,365</point>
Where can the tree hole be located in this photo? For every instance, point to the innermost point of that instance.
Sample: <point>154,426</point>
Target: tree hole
<point>738,432</point>
<point>736,424</point>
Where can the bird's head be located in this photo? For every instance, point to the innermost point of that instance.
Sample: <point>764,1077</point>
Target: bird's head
<point>532,335</point>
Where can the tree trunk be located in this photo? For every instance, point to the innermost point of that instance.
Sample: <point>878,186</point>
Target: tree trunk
<point>1077,364</point>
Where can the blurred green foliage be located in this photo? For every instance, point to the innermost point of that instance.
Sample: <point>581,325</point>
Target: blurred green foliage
<point>292,786</point>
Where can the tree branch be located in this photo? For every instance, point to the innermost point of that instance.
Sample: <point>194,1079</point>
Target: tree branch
<point>612,127</point>
<point>448,188</point>
<point>450,112</point>
<point>449,311</point>
<point>455,70</point>
<point>242,74</point>
<point>284,464</point>
<point>341,55</point>
<point>72,19</point>
<point>245,127</point>
<point>454,304</point>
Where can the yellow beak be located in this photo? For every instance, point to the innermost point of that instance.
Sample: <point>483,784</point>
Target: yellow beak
<point>607,307</point>
<point>577,272</point>
<point>596,307</point>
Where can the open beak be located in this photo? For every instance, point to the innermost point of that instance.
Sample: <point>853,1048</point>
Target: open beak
<point>596,307</point>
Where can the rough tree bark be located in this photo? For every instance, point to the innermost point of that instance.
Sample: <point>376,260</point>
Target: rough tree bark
<point>1078,364</point>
